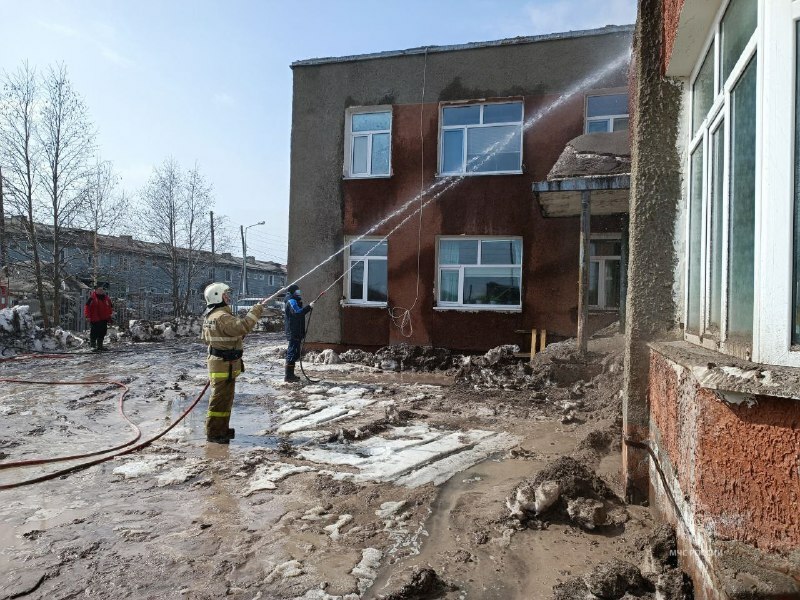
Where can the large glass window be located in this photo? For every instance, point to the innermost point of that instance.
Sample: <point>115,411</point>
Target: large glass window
<point>742,201</point>
<point>481,138</point>
<point>737,28</point>
<point>368,279</point>
<point>715,231</point>
<point>695,240</point>
<point>608,112</point>
<point>604,272</point>
<point>479,272</point>
<point>720,245</point>
<point>703,90</point>
<point>369,145</point>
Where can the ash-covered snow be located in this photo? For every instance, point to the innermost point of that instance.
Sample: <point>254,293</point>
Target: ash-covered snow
<point>19,334</point>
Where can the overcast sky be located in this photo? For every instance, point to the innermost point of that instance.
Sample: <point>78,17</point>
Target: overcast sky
<point>210,81</point>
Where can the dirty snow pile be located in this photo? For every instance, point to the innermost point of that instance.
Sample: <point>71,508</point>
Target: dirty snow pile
<point>560,363</point>
<point>402,357</point>
<point>150,331</point>
<point>19,333</point>
<point>657,577</point>
<point>566,491</point>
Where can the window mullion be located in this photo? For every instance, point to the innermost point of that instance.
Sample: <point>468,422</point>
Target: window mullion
<point>460,285</point>
<point>369,154</point>
<point>464,149</point>
<point>365,282</point>
<point>726,159</point>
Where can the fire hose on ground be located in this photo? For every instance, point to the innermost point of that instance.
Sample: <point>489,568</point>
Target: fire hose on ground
<point>108,453</point>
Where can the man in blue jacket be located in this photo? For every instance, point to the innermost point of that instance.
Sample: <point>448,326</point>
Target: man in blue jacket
<point>295,325</point>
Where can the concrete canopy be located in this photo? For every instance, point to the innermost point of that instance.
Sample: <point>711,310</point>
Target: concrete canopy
<point>599,163</point>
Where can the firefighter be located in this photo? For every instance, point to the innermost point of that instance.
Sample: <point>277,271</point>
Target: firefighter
<point>98,309</point>
<point>295,326</point>
<point>223,332</point>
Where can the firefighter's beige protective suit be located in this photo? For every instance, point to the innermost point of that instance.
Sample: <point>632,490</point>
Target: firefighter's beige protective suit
<point>224,332</point>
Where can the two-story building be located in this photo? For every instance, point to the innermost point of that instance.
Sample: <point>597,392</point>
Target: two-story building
<point>411,178</point>
<point>135,271</point>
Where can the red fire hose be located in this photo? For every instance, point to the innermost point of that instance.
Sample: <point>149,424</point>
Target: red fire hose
<point>120,450</point>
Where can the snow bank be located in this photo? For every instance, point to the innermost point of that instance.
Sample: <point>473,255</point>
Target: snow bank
<point>19,334</point>
<point>150,331</point>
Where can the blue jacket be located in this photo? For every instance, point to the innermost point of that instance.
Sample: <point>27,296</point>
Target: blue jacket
<point>295,314</point>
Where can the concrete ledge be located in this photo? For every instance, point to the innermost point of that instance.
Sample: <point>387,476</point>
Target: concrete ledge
<point>746,573</point>
<point>737,381</point>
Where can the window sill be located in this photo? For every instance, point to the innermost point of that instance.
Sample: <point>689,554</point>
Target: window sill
<point>598,310</point>
<point>346,304</point>
<point>450,175</point>
<point>480,308</point>
<point>737,381</point>
<point>360,177</point>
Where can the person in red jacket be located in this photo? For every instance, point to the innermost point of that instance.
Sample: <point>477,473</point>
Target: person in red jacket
<point>98,310</point>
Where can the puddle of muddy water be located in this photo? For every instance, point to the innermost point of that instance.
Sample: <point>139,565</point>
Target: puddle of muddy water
<point>505,564</point>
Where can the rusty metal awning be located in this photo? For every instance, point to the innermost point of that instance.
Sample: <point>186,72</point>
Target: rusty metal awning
<point>562,197</point>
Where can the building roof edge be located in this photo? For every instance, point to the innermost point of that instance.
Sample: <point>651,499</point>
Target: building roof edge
<point>608,29</point>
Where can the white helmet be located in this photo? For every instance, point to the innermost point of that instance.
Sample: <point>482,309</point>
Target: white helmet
<point>214,293</point>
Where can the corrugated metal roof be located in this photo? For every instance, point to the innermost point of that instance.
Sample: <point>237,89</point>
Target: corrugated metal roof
<point>470,46</point>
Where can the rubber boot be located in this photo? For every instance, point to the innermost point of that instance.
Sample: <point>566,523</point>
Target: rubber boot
<point>231,433</point>
<point>290,377</point>
<point>100,345</point>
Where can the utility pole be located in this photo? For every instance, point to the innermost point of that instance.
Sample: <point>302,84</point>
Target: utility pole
<point>244,263</point>
<point>213,255</point>
<point>3,249</point>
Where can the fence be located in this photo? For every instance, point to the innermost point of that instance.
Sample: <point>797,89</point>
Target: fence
<point>140,305</point>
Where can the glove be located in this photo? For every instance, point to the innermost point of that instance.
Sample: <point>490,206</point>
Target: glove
<point>311,305</point>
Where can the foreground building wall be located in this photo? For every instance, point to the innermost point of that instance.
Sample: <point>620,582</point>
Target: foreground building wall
<point>713,437</point>
<point>327,208</point>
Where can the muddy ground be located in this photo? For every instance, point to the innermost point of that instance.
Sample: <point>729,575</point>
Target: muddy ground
<point>345,488</point>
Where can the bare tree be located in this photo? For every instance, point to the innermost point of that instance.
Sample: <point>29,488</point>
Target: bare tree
<point>104,207</point>
<point>19,107</point>
<point>67,140</point>
<point>161,214</point>
<point>196,229</point>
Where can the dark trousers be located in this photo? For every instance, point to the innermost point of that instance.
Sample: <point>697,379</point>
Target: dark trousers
<point>293,351</point>
<point>97,333</point>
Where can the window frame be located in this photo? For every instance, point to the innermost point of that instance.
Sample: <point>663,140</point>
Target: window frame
<point>347,170</point>
<point>602,259</point>
<point>442,128</point>
<point>775,246</point>
<point>699,135</point>
<point>442,305</point>
<point>608,118</point>
<point>366,258</point>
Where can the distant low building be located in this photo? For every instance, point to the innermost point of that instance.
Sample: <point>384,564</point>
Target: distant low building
<point>133,270</point>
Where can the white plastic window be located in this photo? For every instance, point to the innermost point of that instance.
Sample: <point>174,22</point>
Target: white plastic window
<point>368,148</point>
<point>481,138</point>
<point>606,112</point>
<point>480,272</point>
<point>367,277</point>
<point>721,187</point>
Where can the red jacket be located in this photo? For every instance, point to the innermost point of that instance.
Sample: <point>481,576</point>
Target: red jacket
<point>98,308</point>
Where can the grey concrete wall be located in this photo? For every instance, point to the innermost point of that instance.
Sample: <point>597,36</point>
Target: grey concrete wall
<point>322,92</point>
<point>654,200</point>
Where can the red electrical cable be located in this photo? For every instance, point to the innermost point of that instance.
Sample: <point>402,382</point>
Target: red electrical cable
<point>103,459</point>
